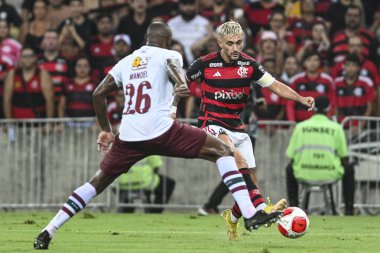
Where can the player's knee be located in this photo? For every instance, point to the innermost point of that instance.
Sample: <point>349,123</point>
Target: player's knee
<point>225,150</point>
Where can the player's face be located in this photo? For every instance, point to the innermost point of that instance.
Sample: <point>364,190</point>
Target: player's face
<point>231,46</point>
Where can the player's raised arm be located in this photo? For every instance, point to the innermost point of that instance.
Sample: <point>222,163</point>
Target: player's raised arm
<point>99,96</point>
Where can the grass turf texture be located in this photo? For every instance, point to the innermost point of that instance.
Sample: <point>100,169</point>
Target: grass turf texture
<point>99,232</point>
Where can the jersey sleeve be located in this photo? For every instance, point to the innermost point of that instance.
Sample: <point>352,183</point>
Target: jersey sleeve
<point>195,71</point>
<point>261,76</point>
<point>115,72</point>
<point>175,56</point>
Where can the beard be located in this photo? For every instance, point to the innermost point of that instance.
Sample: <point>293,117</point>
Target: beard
<point>353,26</point>
<point>188,16</point>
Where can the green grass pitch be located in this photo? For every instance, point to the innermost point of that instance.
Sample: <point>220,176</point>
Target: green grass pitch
<point>167,233</point>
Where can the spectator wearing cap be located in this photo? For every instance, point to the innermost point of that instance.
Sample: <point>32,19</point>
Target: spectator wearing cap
<point>136,23</point>
<point>268,49</point>
<point>188,27</point>
<point>354,93</point>
<point>100,47</point>
<point>121,48</point>
<point>257,14</point>
<point>311,82</point>
<point>318,152</point>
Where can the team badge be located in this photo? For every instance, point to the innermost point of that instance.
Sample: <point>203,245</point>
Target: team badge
<point>139,62</point>
<point>243,72</point>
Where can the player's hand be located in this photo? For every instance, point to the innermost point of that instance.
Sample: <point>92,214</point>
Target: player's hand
<point>309,102</point>
<point>181,90</point>
<point>104,141</point>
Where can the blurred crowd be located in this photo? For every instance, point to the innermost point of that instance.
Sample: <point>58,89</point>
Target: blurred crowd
<point>53,53</point>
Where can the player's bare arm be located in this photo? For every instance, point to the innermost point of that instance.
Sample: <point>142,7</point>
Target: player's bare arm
<point>180,89</point>
<point>285,91</point>
<point>99,96</point>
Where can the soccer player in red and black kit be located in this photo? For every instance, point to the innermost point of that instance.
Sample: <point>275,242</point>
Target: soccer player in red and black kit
<point>226,77</point>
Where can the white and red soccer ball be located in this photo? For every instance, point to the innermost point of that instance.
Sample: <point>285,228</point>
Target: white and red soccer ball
<point>294,223</point>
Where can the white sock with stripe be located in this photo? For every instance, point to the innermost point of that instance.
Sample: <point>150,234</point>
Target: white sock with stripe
<point>76,202</point>
<point>235,183</point>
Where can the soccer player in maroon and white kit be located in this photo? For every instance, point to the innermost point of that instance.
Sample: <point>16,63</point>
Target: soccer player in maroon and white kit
<point>226,77</point>
<point>147,129</point>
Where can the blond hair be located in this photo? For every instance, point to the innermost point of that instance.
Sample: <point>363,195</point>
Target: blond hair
<point>230,28</point>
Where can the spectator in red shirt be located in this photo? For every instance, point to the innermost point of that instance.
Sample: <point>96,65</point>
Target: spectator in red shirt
<point>257,14</point>
<point>28,92</point>
<point>115,110</point>
<point>367,68</point>
<point>100,47</point>
<point>78,91</point>
<point>319,42</point>
<point>312,82</point>
<point>354,93</point>
<point>286,39</point>
<point>353,27</point>
<point>54,64</point>
<point>301,27</point>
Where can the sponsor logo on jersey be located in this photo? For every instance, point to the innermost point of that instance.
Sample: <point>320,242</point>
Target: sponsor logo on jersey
<point>243,63</point>
<point>196,75</point>
<point>139,62</point>
<point>242,72</point>
<point>216,65</point>
<point>217,74</point>
<point>228,94</point>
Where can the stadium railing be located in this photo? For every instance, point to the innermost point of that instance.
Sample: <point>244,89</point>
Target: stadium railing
<point>363,137</point>
<point>44,160</point>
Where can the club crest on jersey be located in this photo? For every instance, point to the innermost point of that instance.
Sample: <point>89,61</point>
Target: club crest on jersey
<point>242,72</point>
<point>139,62</point>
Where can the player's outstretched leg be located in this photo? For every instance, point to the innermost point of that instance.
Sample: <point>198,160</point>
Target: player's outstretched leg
<point>75,203</point>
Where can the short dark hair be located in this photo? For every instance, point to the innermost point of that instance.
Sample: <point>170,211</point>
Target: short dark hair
<point>310,53</point>
<point>322,104</point>
<point>354,6</point>
<point>280,12</point>
<point>353,58</point>
<point>103,15</point>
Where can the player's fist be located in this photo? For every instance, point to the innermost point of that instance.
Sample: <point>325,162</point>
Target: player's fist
<point>181,90</point>
<point>104,141</point>
<point>309,102</point>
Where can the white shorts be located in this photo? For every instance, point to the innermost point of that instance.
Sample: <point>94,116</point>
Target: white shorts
<point>240,140</point>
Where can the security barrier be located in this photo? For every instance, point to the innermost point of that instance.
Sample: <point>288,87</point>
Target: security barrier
<point>44,160</point>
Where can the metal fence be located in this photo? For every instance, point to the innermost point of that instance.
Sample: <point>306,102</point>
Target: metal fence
<point>42,161</point>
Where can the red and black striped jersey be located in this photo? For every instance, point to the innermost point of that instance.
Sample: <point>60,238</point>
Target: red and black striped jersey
<point>99,52</point>
<point>225,88</point>
<point>305,86</point>
<point>274,106</point>
<point>79,99</point>
<point>58,70</point>
<point>351,100</point>
<point>367,69</point>
<point>339,45</point>
<point>115,113</point>
<point>28,101</point>
<point>4,67</point>
<point>302,28</point>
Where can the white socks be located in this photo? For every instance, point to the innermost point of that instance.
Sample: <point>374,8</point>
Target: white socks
<point>76,202</point>
<point>235,183</point>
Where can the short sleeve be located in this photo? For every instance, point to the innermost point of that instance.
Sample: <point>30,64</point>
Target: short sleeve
<point>175,56</point>
<point>115,72</point>
<point>195,71</point>
<point>261,76</point>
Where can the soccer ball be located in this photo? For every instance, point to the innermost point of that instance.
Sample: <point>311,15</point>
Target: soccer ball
<point>294,223</point>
